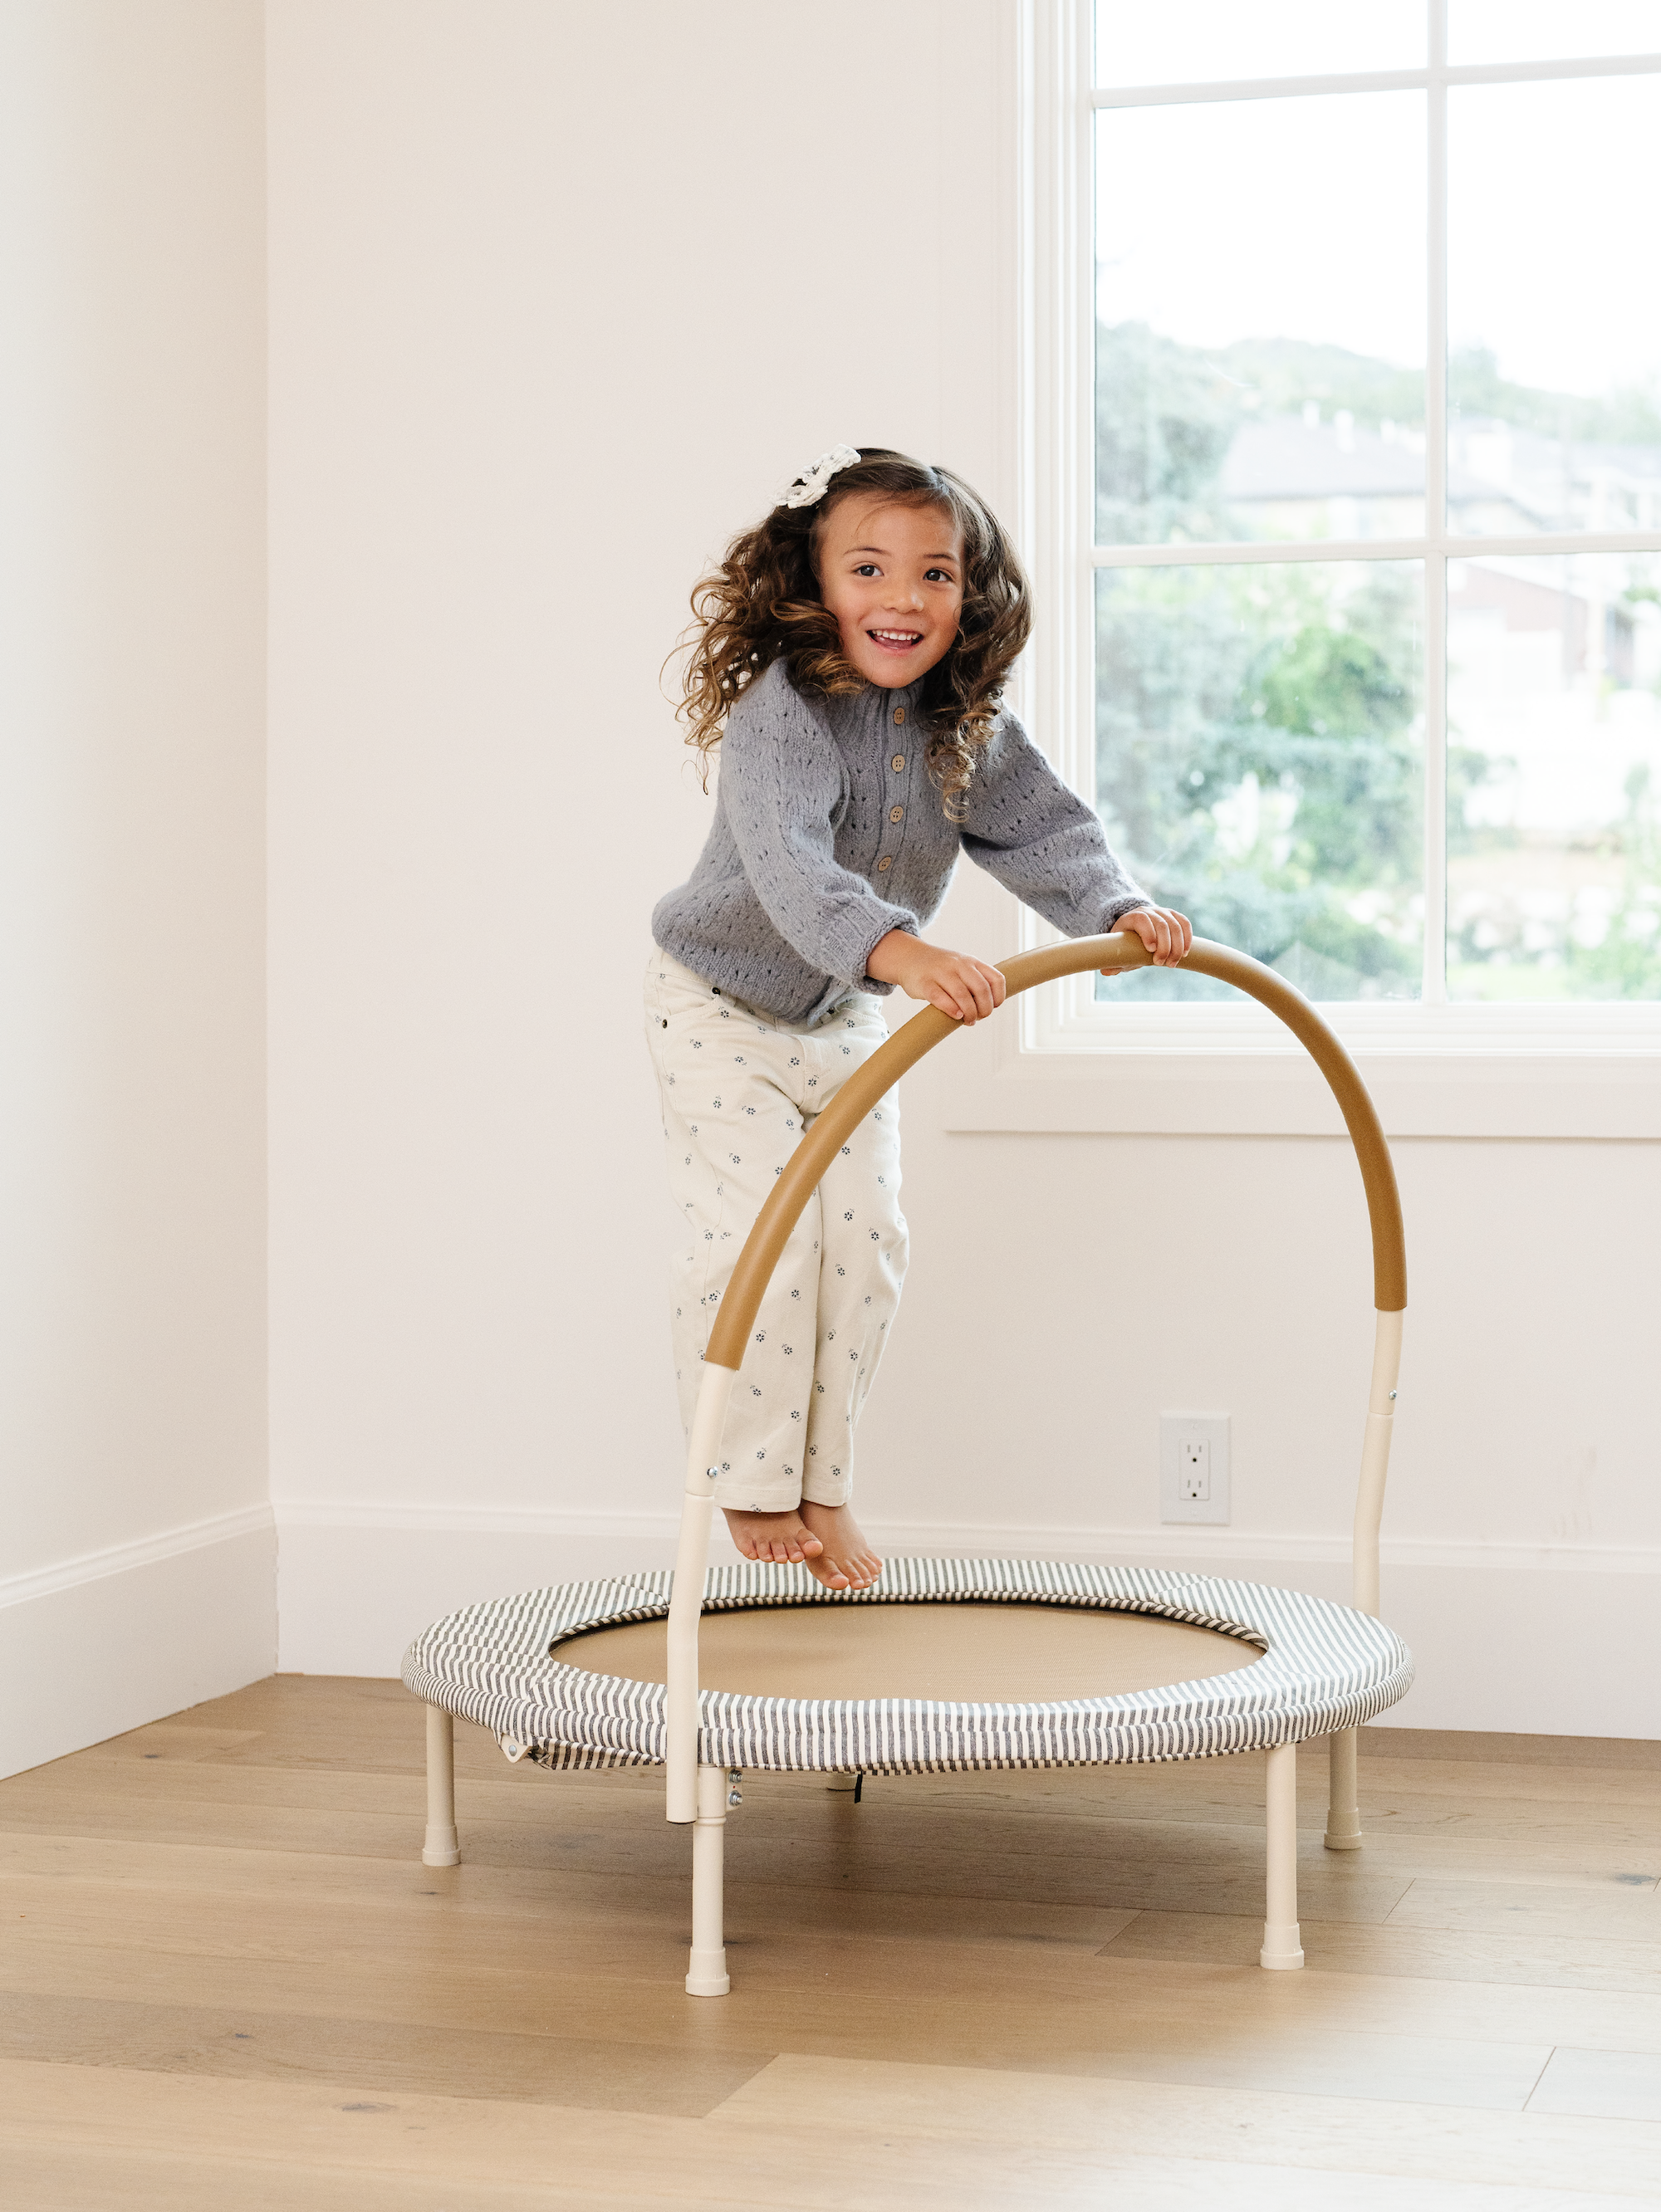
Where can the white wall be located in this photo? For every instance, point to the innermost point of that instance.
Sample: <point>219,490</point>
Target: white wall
<point>137,1569</point>
<point>559,298</point>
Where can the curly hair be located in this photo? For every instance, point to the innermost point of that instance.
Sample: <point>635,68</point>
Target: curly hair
<point>763,604</point>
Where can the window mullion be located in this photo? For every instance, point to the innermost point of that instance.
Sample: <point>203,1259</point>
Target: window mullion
<point>1302,88</point>
<point>1434,987</point>
<point>1187,553</point>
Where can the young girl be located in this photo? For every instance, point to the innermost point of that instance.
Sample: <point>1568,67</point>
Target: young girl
<point>848,657</point>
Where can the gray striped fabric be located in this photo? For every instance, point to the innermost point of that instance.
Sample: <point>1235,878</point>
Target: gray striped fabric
<point>1325,1667</point>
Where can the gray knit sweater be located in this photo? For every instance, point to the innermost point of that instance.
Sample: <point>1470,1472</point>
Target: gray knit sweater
<point>828,834</point>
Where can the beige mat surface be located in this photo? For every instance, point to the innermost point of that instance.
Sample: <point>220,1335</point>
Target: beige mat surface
<point>958,1654</point>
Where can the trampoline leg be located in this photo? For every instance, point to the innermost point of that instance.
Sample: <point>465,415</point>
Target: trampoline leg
<point>1343,1811</point>
<point>443,1846</point>
<point>708,1976</point>
<point>1282,1943</point>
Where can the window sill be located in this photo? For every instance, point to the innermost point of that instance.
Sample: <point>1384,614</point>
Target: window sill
<point>995,1084</point>
<point>1064,1064</point>
<point>1068,1019</point>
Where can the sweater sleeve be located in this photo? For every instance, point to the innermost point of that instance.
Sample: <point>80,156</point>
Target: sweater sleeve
<point>783,787</point>
<point>1036,836</point>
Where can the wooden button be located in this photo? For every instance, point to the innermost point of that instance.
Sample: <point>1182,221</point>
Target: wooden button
<point>897,814</point>
<point>900,714</point>
<point>898,762</point>
<point>883,866</point>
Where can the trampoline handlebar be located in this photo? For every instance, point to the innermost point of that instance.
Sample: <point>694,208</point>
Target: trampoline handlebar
<point>858,1095</point>
<point>864,1088</point>
<point>686,1595</point>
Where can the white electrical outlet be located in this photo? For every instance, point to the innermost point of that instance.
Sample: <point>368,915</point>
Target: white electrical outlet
<point>1194,1468</point>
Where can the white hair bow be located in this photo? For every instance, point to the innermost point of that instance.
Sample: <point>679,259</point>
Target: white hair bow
<point>810,485</point>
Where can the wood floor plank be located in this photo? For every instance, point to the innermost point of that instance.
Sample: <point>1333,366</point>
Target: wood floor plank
<point>582,2072</point>
<point>421,1922</point>
<point>82,1785</point>
<point>607,1929</point>
<point>165,1741</point>
<point>1517,1957</point>
<point>1356,2001</point>
<point>276,1828</point>
<point>57,1871</point>
<point>69,2178</point>
<point>1219,2029</point>
<point>753,2162</point>
<point>1139,1867</point>
<point>1623,1852</point>
<point>985,1970</point>
<point>1559,1840</point>
<point>1238,1780</point>
<point>1469,1746</point>
<point>1629,1916</point>
<point>1237,1784</point>
<point>1474,1783</point>
<point>612,1936</point>
<point>1421,2143</point>
<point>1606,2085</point>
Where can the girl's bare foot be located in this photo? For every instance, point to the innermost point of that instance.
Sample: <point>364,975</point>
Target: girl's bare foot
<point>778,1537</point>
<point>846,1561</point>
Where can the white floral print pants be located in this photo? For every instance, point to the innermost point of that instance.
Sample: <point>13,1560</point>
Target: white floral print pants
<point>738,1089</point>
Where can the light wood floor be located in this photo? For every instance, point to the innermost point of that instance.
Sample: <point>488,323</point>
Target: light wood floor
<point>228,1981</point>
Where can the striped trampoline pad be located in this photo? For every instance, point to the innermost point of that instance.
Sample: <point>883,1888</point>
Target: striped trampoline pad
<point>1309,1666</point>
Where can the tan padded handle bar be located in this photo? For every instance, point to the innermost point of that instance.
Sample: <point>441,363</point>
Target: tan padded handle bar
<point>863,1090</point>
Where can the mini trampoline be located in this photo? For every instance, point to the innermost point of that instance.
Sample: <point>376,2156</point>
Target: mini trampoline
<point>946,1664</point>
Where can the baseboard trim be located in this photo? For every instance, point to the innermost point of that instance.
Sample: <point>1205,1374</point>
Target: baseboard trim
<point>99,1644</point>
<point>142,1551</point>
<point>471,1520</point>
<point>1170,1545</point>
<point>1174,1545</point>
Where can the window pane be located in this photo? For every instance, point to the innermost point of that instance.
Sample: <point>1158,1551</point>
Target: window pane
<point>1554,777</point>
<point>1554,418</point>
<point>1551,30</point>
<point>1258,765</point>
<point>1215,41</point>
<point>1260,316</point>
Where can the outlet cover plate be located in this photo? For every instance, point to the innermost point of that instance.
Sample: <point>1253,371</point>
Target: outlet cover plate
<point>1178,1433</point>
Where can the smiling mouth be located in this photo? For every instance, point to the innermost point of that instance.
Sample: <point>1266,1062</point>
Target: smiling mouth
<point>895,641</point>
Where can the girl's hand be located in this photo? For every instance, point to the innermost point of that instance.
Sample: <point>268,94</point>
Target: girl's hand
<point>1166,933</point>
<point>958,984</point>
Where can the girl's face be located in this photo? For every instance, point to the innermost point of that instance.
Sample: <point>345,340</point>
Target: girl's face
<point>892,576</point>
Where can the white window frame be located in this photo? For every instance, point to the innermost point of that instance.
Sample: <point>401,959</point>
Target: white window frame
<point>1547,1070</point>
